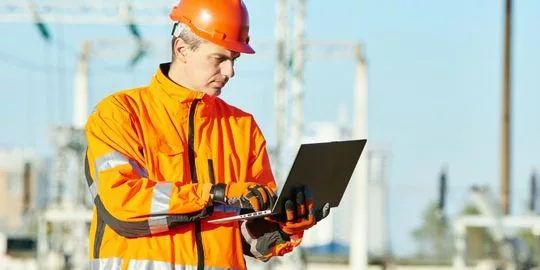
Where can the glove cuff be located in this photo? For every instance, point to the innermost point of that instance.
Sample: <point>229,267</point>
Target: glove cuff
<point>218,192</point>
<point>291,233</point>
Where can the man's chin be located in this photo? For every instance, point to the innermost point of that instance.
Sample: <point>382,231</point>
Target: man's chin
<point>213,91</point>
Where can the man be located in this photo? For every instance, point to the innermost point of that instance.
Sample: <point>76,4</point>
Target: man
<point>164,159</point>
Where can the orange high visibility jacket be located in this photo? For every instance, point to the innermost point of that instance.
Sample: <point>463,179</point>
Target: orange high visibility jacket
<point>153,154</point>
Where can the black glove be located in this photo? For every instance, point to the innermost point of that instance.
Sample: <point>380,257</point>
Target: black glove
<point>247,195</point>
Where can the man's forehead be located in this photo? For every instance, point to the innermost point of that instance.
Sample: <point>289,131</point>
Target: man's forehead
<point>218,50</point>
<point>226,53</point>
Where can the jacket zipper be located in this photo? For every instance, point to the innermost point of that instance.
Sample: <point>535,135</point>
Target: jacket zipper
<point>193,171</point>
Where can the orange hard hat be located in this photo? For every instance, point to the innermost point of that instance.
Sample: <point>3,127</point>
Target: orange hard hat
<point>223,22</point>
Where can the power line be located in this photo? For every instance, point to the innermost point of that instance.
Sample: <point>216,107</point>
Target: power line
<point>47,68</point>
<point>27,65</point>
<point>86,12</point>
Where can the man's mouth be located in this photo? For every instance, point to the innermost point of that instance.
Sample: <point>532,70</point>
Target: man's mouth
<point>219,83</point>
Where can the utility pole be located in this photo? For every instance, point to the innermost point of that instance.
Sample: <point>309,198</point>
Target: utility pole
<point>506,114</point>
<point>298,74</point>
<point>297,258</point>
<point>280,82</point>
<point>358,259</point>
<point>80,114</point>
<point>80,97</point>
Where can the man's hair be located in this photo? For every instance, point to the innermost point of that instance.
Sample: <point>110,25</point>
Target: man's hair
<point>183,32</point>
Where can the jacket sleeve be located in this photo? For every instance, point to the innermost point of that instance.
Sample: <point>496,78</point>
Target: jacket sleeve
<point>260,170</point>
<point>125,198</point>
<point>262,239</point>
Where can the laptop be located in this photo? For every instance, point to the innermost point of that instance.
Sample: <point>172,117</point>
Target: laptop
<point>324,168</point>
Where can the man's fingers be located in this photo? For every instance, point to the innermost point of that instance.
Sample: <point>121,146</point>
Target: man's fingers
<point>289,211</point>
<point>308,203</point>
<point>300,205</point>
<point>260,193</point>
<point>299,215</point>
<point>261,197</point>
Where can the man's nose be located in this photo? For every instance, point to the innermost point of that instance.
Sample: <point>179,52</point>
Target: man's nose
<point>227,68</point>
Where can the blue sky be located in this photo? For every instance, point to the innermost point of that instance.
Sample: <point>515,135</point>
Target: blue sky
<point>434,89</point>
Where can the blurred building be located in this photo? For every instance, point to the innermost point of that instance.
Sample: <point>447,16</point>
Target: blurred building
<point>21,177</point>
<point>378,240</point>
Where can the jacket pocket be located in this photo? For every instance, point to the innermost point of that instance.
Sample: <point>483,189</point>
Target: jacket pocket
<point>172,162</point>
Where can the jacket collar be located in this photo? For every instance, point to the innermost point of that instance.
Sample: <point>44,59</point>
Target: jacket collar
<point>165,86</point>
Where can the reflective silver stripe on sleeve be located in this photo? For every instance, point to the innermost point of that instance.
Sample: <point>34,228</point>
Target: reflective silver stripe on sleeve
<point>250,240</point>
<point>158,225</point>
<point>160,265</point>
<point>106,264</point>
<point>93,190</point>
<point>161,198</point>
<point>108,161</point>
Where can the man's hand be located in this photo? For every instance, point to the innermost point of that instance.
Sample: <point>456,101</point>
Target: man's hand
<point>246,195</point>
<point>300,216</point>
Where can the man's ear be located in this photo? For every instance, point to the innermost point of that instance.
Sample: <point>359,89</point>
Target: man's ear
<point>180,49</point>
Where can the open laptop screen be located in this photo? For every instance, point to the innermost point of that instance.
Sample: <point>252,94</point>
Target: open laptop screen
<point>325,168</point>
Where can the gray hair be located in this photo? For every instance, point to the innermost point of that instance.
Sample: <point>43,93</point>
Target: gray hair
<point>182,31</point>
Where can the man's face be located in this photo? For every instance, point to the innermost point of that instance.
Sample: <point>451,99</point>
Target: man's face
<point>209,67</point>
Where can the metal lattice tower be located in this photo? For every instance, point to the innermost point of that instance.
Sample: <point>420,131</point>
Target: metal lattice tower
<point>143,12</point>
